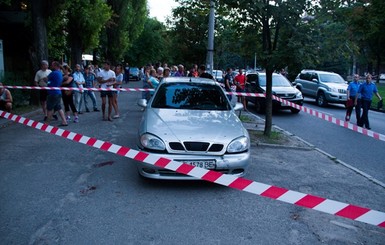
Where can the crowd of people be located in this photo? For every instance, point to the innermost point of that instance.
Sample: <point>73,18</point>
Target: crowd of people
<point>359,96</point>
<point>153,75</point>
<point>61,75</point>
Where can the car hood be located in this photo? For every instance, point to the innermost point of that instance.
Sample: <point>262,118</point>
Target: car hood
<point>283,90</point>
<point>175,125</point>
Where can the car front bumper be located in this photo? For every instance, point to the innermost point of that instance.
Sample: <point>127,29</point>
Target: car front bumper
<point>336,98</point>
<point>233,164</point>
<point>280,105</point>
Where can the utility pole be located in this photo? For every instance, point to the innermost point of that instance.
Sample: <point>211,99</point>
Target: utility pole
<point>210,45</point>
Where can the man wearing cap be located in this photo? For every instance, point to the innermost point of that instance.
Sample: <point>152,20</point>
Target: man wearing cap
<point>41,81</point>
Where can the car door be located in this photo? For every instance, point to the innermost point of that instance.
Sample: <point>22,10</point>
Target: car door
<point>313,84</point>
<point>305,82</point>
<point>251,85</point>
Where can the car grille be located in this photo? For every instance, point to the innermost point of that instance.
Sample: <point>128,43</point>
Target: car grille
<point>195,146</point>
<point>286,96</point>
<point>342,91</point>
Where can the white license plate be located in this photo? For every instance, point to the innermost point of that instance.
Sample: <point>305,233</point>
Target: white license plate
<point>207,164</point>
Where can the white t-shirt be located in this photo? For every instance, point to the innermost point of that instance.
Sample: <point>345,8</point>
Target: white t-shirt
<point>40,74</point>
<point>105,75</point>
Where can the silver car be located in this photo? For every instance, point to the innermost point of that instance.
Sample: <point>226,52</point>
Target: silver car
<point>192,121</point>
<point>324,86</point>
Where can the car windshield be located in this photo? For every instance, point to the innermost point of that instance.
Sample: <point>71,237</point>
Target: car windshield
<point>278,81</point>
<point>134,70</point>
<point>331,78</point>
<point>217,73</point>
<point>194,96</point>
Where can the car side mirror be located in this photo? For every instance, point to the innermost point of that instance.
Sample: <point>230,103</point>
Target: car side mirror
<point>315,80</point>
<point>238,107</point>
<point>142,103</point>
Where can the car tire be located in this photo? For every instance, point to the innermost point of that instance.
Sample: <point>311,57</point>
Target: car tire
<point>259,107</point>
<point>321,99</point>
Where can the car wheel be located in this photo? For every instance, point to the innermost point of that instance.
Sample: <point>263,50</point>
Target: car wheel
<point>259,107</point>
<point>294,111</point>
<point>321,99</point>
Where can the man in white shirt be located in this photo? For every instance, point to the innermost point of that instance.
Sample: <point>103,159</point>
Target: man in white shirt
<point>41,79</point>
<point>106,79</point>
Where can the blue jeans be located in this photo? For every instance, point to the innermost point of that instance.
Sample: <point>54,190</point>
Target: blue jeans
<point>90,94</point>
<point>78,99</point>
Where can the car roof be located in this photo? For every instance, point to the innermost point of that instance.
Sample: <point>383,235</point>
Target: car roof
<point>262,73</point>
<point>189,80</point>
<point>320,72</point>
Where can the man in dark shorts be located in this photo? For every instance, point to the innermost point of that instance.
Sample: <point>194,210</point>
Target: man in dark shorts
<point>106,79</point>
<point>55,79</point>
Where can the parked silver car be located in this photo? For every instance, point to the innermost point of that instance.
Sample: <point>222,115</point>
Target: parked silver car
<point>324,86</point>
<point>192,121</point>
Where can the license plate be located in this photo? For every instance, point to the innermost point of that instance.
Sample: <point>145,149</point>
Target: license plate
<point>207,164</point>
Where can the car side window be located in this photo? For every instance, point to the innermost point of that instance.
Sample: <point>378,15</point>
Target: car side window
<point>302,76</point>
<point>314,76</point>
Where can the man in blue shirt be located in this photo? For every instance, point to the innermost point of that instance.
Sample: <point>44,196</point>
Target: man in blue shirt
<point>351,93</point>
<point>366,90</point>
<point>55,79</point>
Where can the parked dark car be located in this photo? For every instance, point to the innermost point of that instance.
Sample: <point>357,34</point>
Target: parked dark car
<point>135,73</point>
<point>256,83</point>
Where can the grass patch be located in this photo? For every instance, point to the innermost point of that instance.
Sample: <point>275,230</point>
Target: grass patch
<point>276,137</point>
<point>381,91</point>
<point>246,119</point>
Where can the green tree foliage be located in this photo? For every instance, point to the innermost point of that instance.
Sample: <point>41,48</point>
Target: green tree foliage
<point>125,27</point>
<point>86,18</point>
<point>366,22</point>
<point>189,28</point>
<point>153,45</point>
<point>274,22</point>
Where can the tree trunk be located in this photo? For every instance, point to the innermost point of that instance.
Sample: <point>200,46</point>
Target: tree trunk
<point>76,50</point>
<point>267,49</point>
<point>269,102</point>
<point>378,67</point>
<point>39,50</point>
<point>39,32</point>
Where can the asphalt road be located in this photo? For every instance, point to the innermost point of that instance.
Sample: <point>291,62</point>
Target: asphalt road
<point>362,152</point>
<point>55,191</point>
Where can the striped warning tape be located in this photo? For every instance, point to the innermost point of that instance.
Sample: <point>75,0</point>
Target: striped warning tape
<point>333,120</point>
<point>112,89</point>
<point>78,89</point>
<point>310,111</point>
<point>324,205</point>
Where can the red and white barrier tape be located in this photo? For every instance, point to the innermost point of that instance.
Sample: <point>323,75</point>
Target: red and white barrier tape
<point>78,89</point>
<point>333,120</point>
<point>324,205</point>
<point>310,111</point>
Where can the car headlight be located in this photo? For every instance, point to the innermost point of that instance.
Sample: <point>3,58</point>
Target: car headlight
<point>152,142</point>
<point>298,95</point>
<point>240,144</point>
<point>331,89</point>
